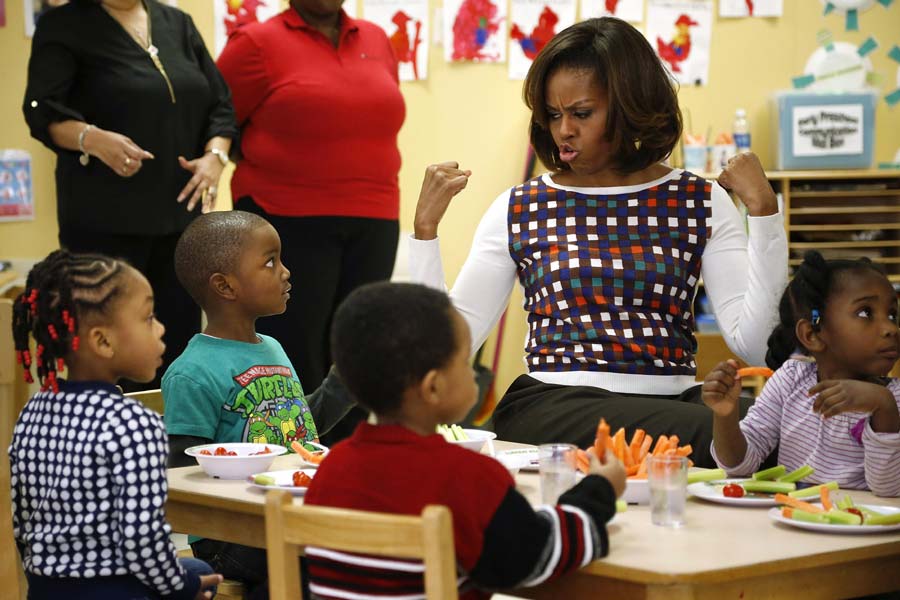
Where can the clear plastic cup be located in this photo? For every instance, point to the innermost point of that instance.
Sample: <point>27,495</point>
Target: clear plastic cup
<point>667,479</point>
<point>556,466</point>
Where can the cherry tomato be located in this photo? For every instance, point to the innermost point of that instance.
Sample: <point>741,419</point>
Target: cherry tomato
<point>733,490</point>
<point>301,479</point>
<point>220,451</point>
<point>206,453</point>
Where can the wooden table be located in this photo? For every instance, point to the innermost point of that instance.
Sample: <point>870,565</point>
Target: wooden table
<point>721,552</point>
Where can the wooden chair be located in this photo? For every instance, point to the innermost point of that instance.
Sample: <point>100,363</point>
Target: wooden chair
<point>152,399</point>
<point>290,527</point>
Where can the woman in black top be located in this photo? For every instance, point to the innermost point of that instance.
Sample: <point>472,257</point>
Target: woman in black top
<point>127,96</point>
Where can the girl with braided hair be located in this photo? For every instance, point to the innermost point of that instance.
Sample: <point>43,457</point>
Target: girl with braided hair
<point>830,403</point>
<point>87,464</point>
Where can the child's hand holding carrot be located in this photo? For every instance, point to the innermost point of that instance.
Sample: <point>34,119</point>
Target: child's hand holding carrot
<point>611,468</point>
<point>722,388</point>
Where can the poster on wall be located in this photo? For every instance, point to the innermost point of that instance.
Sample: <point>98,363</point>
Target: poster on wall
<point>406,24</point>
<point>2,13</point>
<point>228,15</point>
<point>681,32</point>
<point>474,30</point>
<point>34,9</point>
<point>627,10</point>
<point>534,23</point>
<point>750,8</point>
<point>16,192</point>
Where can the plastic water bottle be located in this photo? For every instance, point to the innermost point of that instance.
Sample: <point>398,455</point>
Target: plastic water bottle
<point>741,131</point>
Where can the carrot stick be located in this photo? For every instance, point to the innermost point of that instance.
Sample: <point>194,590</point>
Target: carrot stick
<point>798,504</point>
<point>662,444</point>
<point>755,372</point>
<point>826,499</point>
<point>673,442</point>
<point>645,448</point>
<point>619,444</point>
<point>582,461</point>
<point>787,512</point>
<point>306,454</point>
<point>684,450</point>
<point>642,470</point>
<point>635,446</point>
<point>632,470</point>
<point>602,437</point>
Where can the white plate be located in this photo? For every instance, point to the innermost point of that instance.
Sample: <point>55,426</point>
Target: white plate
<point>775,515</point>
<point>284,480</point>
<point>712,491</point>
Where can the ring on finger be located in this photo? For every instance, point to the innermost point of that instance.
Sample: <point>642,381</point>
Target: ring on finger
<point>127,160</point>
<point>212,190</point>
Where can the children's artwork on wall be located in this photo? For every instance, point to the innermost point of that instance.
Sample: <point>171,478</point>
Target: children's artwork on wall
<point>34,9</point>
<point>893,97</point>
<point>2,13</point>
<point>837,66</point>
<point>229,15</point>
<point>16,192</point>
<point>406,25</point>
<point>627,10</point>
<point>851,9</point>
<point>474,30</point>
<point>750,8</point>
<point>681,32</point>
<point>534,23</point>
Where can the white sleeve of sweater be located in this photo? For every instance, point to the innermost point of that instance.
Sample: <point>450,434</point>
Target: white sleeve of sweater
<point>745,278</point>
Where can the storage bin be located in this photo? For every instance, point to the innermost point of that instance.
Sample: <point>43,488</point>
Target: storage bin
<point>824,130</point>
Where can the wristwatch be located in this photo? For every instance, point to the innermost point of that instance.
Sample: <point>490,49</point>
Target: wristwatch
<point>220,154</point>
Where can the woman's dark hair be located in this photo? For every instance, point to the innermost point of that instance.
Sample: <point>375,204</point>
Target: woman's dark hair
<point>59,291</point>
<point>805,298</point>
<point>387,336</point>
<point>643,123</point>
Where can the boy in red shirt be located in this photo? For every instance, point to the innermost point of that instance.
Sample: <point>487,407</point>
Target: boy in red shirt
<point>403,352</point>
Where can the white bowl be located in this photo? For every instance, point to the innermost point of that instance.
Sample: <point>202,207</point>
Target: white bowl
<point>477,439</point>
<point>637,491</point>
<point>235,467</point>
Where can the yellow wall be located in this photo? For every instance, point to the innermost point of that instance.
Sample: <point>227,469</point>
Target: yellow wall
<point>474,114</point>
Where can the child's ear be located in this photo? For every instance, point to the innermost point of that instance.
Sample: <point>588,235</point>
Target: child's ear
<point>100,342</point>
<point>221,285</point>
<point>429,388</point>
<point>809,337</point>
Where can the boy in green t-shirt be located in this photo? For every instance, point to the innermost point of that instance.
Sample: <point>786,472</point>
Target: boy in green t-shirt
<point>232,384</point>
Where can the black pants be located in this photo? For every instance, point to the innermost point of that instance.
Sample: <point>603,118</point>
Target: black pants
<point>533,412</point>
<point>328,258</point>
<point>154,256</point>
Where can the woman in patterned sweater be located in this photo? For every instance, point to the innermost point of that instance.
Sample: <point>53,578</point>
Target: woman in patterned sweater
<point>88,466</point>
<point>609,248</point>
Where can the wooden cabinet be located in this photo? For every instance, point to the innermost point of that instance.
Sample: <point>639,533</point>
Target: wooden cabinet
<point>842,214</point>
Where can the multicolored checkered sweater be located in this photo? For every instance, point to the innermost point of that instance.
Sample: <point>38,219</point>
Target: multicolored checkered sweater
<point>609,280</point>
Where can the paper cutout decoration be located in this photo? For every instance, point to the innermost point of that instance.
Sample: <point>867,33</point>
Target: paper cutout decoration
<point>893,98</point>
<point>750,8</point>
<point>16,191</point>
<point>229,15</point>
<point>851,10</point>
<point>406,24</point>
<point>534,23</point>
<point>680,31</point>
<point>474,30</point>
<point>2,13</point>
<point>627,10</point>
<point>837,66</point>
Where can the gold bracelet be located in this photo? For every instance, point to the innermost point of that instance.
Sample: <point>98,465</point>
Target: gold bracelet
<point>85,158</point>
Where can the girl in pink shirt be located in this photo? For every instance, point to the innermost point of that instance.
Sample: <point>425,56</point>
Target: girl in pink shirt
<point>830,406</point>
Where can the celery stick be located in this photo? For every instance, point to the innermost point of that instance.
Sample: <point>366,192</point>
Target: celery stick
<point>621,505</point>
<point>705,475</point>
<point>882,519</point>
<point>797,474</point>
<point>768,487</point>
<point>814,490</point>
<point>839,517</point>
<point>769,474</point>
<point>802,515</point>
<point>458,434</point>
<point>264,480</point>
<point>845,502</point>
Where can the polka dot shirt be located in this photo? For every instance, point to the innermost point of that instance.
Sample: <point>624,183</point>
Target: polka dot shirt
<point>88,473</point>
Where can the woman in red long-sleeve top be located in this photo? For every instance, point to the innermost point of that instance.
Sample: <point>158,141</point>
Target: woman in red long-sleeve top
<point>318,102</point>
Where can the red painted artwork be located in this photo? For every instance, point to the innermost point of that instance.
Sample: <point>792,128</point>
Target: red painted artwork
<point>240,12</point>
<point>677,50</point>
<point>542,33</point>
<point>611,6</point>
<point>749,7</point>
<point>475,23</point>
<point>406,50</point>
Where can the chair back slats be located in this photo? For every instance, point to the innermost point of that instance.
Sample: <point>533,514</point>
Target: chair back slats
<point>152,399</point>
